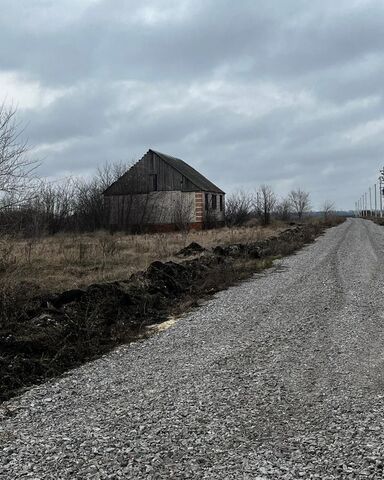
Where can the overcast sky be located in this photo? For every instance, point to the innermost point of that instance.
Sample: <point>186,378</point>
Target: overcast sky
<point>283,92</point>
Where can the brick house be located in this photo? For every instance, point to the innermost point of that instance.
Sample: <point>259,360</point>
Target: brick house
<point>163,193</point>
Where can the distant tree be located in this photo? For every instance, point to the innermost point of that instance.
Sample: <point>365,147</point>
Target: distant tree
<point>109,172</point>
<point>327,208</point>
<point>300,202</point>
<point>238,208</point>
<point>35,207</point>
<point>53,206</point>
<point>89,208</point>
<point>265,202</point>
<point>283,209</point>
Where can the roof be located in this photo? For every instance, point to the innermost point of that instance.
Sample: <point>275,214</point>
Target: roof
<point>190,173</point>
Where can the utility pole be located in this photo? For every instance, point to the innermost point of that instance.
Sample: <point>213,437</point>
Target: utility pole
<point>366,203</point>
<point>370,202</point>
<point>381,192</point>
<point>375,200</point>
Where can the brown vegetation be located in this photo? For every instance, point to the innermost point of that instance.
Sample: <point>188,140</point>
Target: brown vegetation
<point>44,334</point>
<point>66,260</point>
<point>378,220</point>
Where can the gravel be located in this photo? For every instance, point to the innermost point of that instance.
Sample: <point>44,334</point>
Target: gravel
<point>281,377</point>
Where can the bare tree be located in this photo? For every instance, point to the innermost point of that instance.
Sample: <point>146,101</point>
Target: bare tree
<point>328,208</point>
<point>283,209</point>
<point>16,168</point>
<point>300,202</point>
<point>36,207</point>
<point>238,208</point>
<point>89,206</point>
<point>265,202</point>
<point>53,205</point>
<point>109,172</point>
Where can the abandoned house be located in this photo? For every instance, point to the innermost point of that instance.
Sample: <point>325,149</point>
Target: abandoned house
<point>163,193</point>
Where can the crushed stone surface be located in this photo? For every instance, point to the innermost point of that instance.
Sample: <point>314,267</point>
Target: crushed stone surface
<point>281,377</point>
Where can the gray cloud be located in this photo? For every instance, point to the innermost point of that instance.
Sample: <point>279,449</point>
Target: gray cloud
<point>289,93</point>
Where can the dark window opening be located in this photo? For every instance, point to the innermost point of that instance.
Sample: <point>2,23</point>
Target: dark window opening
<point>206,201</point>
<point>152,163</point>
<point>154,182</point>
<point>214,202</point>
<point>221,203</point>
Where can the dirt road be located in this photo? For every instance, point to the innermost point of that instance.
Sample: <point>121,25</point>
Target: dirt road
<point>281,377</point>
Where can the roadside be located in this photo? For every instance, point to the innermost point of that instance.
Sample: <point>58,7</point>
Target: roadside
<point>378,220</point>
<point>46,264</point>
<point>279,377</point>
<point>42,336</point>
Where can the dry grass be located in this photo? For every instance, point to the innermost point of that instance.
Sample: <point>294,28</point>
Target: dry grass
<point>38,341</point>
<point>67,261</point>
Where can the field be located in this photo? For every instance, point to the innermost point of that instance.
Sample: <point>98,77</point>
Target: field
<point>48,324</point>
<point>67,261</point>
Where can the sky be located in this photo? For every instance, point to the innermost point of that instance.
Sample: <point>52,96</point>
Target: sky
<point>287,93</point>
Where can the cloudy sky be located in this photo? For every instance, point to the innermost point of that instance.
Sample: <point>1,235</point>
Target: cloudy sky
<point>283,92</point>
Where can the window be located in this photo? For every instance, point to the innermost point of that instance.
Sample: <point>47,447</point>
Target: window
<point>214,202</point>
<point>154,182</point>
<point>221,203</point>
<point>206,201</point>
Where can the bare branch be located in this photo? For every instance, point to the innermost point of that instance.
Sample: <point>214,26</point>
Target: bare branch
<point>328,208</point>
<point>16,168</point>
<point>238,208</point>
<point>300,202</point>
<point>264,203</point>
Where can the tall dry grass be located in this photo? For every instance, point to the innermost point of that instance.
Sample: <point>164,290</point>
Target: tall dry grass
<point>68,261</point>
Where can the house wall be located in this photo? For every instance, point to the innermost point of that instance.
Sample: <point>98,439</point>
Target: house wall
<point>140,178</point>
<point>171,210</point>
<point>211,213</point>
<point>155,208</point>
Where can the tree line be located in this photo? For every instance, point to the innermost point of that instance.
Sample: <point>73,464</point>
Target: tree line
<point>263,204</point>
<point>70,204</point>
<point>34,206</point>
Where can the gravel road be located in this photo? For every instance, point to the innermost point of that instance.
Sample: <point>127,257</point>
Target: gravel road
<point>281,377</point>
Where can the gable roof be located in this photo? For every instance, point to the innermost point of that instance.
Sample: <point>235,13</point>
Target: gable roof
<point>190,173</point>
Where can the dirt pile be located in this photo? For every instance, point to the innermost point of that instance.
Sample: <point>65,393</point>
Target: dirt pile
<point>283,244</point>
<point>50,334</point>
<point>192,249</point>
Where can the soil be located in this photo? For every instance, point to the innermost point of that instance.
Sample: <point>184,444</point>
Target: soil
<point>53,333</point>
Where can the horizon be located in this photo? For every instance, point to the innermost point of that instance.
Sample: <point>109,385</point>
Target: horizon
<point>288,95</point>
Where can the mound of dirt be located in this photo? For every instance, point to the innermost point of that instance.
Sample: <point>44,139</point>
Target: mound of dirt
<point>192,249</point>
<point>52,333</point>
<point>286,242</point>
